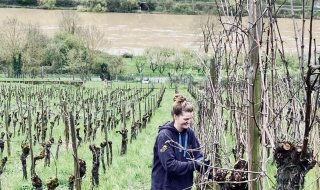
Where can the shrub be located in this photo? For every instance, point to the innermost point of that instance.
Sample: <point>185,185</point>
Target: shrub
<point>199,6</point>
<point>164,6</point>
<point>64,3</point>
<point>27,2</point>
<point>150,5</point>
<point>113,5</point>
<point>47,4</point>
<point>127,55</point>
<point>128,5</point>
<point>182,9</point>
<point>81,8</point>
<point>95,5</point>
<point>159,8</point>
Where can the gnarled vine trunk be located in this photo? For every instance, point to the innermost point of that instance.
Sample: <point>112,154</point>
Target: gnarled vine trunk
<point>291,170</point>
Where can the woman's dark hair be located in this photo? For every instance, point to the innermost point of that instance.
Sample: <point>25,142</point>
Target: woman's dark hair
<point>181,104</point>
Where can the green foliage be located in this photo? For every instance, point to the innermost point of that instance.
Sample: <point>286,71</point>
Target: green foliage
<point>182,9</point>
<point>68,40</point>
<point>125,6</point>
<point>128,5</point>
<point>164,5</point>
<point>52,55</point>
<point>34,47</point>
<point>27,2</point>
<point>115,63</point>
<point>200,6</point>
<point>113,5</point>
<point>17,66</point>
<point>172,6</point>
<point>65,50</point>
<point>100,58</point>
<point>95,5</point>
<point>47,4</point>
<point>67,3</point>
<point>151,5</point>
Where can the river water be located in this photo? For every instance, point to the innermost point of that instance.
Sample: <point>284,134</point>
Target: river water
<point>133,32</point>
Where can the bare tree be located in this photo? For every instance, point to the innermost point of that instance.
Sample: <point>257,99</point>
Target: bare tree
<point>177,61</point>
<point>152,56</point>
<point>70,22</point>
<point>12,38</point>
<point>140,62</point>
<point>93,40</point>
<point>165,59</point>
<point>206,26</point>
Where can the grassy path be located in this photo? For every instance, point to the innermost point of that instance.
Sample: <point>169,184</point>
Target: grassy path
<point>133,170</point>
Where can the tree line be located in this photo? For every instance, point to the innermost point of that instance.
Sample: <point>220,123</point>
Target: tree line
<point>124,6</point>
<point>127,6</point>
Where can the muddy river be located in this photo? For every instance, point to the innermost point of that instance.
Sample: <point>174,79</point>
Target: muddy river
<point>133,32</point>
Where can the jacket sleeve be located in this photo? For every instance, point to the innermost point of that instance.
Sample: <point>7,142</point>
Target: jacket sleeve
<point>167,157</point>
<point>197,152</point>
<point>196,145</point>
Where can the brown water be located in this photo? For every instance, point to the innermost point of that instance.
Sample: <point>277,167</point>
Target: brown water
<point>134,32</point>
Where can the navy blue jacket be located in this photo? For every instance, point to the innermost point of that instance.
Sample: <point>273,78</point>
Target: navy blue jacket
<point>172,168</point>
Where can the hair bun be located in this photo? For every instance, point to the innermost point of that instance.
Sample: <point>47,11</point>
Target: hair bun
<point>179,98</point>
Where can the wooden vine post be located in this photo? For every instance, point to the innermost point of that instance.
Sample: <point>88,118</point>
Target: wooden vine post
<point>15,120</point>
<point>124,114</point>
<point>58,147</point>
<point>105,130</point>
<point>33,171</point>
<point>140,126</point>
<point>66,125</point>
<point>75,152</point>
<point>316,155</point>
<point>133,125</point>
<point>110,150</point>
<point>42,122</point>
<point>7,127</point>
<point>254,83</point>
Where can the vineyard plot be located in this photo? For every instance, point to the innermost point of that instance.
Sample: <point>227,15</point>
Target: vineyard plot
<point>49,127</point>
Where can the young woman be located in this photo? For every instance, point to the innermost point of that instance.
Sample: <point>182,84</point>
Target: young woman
<point>175,150</point>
